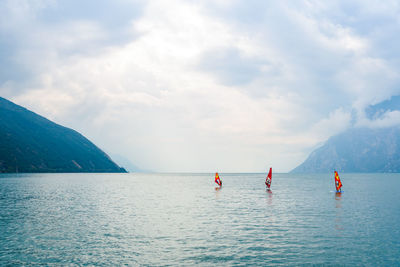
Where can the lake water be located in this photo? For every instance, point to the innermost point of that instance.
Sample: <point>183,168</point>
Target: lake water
<point>180,219</point>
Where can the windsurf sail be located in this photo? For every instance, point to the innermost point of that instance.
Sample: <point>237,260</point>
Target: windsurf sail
<point>268,180</point>
<point>217,179</point>
<point>338,183</point>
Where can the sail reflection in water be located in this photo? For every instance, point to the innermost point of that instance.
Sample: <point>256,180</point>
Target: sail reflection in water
<point>338,212</point>
<point>178,219</point>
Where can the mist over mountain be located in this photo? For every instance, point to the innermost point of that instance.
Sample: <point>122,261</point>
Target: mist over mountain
<point>32,143</point>
<point>357,150</point>
<point>128,165</point>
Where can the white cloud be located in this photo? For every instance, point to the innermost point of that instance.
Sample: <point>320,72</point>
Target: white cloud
<point>269,86</point>
<point>388,119</point>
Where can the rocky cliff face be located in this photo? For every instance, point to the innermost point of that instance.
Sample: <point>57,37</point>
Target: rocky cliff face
<point>32,143</point>
<point>357,150</point>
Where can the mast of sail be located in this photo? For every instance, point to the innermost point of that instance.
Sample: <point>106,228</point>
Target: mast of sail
<point>217,179</point>
<point>338,183</point>
<point>268,180</point>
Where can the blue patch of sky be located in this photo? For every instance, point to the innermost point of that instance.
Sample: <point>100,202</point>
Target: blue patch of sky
<point>111,14</point>
<point>375,111</point>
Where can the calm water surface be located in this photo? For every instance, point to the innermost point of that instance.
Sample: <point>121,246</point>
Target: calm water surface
<point>180,219</point>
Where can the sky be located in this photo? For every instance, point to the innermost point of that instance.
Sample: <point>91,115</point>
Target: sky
<point>204,86</point>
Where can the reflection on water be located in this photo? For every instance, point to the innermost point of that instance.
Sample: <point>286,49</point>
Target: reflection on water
<point>338,212</point>
<point>338,198</point>
<point>179,220</point>
<point>269,193</point>
<point>217,192</point>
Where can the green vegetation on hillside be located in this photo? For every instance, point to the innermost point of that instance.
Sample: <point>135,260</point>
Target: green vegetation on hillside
<point>31,143</point>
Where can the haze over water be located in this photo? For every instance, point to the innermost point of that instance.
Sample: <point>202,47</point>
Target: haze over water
<point>180,219</point>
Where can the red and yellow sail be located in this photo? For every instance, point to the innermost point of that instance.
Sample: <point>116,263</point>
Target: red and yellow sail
<point>217,179</point>
<point>338,183</point>
<point>268,180</point>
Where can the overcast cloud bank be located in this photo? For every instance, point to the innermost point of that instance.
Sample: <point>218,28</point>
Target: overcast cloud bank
<point>217,85</point>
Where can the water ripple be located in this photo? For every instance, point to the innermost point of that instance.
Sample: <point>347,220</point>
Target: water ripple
<point>180,219</point>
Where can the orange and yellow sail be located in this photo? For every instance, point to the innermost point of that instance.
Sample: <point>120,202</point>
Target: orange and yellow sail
<point>217,179</point>
<point>338,183</point>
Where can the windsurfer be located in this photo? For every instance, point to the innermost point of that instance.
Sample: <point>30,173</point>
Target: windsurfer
<point>338,183</point>
<point>218,180</point>
<point>268,180</point>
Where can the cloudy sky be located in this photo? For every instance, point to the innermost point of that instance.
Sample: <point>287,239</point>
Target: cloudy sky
<point>213,85</point>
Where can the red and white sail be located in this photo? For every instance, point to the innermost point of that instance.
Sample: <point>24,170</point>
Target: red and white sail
<point>268,180</point>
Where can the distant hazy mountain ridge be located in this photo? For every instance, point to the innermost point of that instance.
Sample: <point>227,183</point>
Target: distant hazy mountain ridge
<point>31,143</point>
<point>357,150</point>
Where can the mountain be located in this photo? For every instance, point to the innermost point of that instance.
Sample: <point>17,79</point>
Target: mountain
<point>357,150</point>
<point>128,165</point>
<point>32,143</point>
